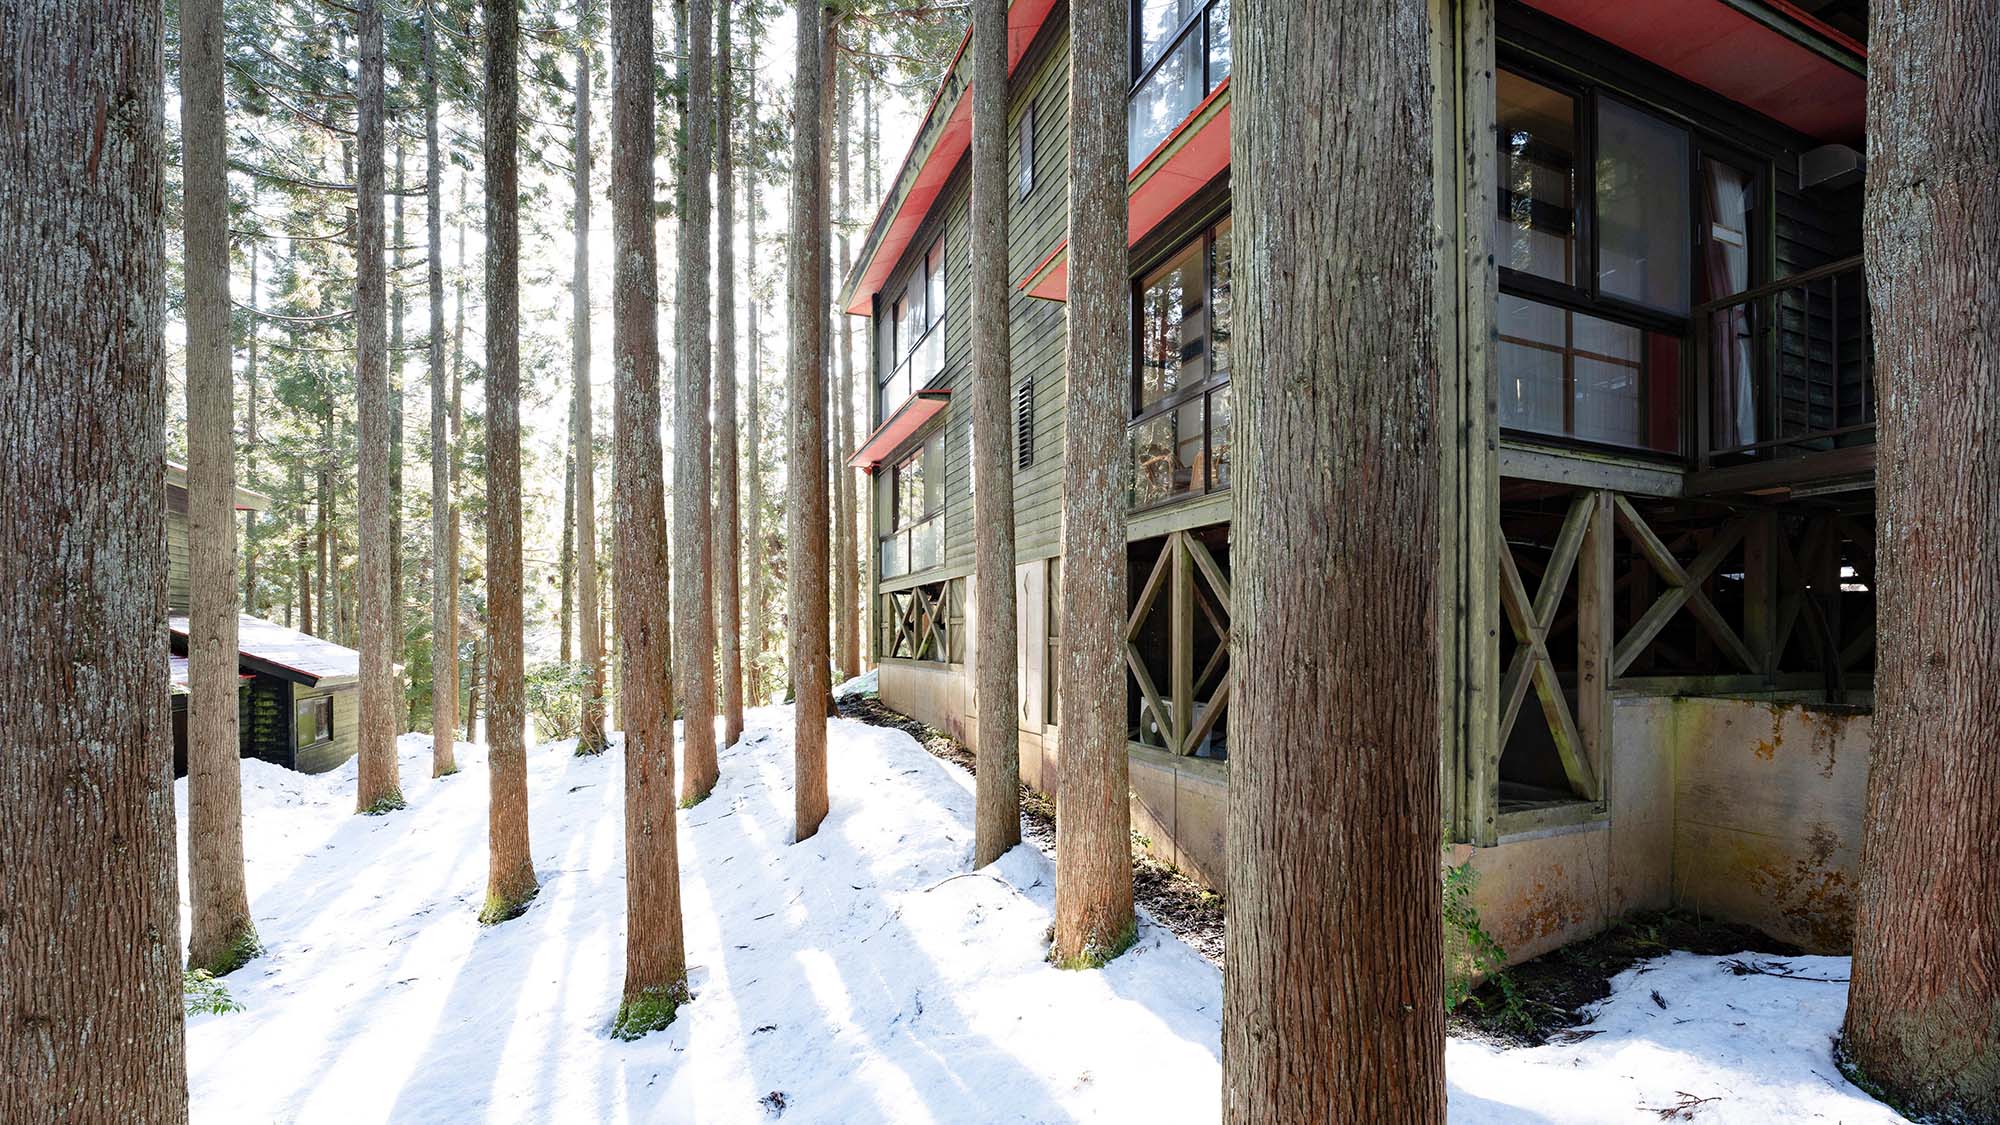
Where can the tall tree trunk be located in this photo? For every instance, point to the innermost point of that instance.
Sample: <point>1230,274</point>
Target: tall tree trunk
<point>395,534</point>
<point>753,407</point>
<point>223,935</point>
<point>302,550</point>
<point>323,522</point>
<point>89,986</point>
<point>655,953</point>
<point>728,549</point>
<point>456,457</point>
<point>566,560</point>
<point>377,788</point>
<point>998,782</point>
<point>1094,919</point>
<point>846,577</point>
<point>590,737</point>
<point>510,878</point>
<point>252,604</point>
<point>444,576</point>
<point>1333,1003</point>
<point>694,599</point>
<point>806,515</point>
<point>472,675</point>
<point>1923,1016</point>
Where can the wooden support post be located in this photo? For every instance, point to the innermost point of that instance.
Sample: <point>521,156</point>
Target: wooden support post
<point>1596,602</point>
<point>1470,539</point>
<point>1760,592</point>
<point>1180,648</point>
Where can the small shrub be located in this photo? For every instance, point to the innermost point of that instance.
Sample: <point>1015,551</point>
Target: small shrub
<point>555,698</point>
<point>202,994</point>
<point>383,806</point>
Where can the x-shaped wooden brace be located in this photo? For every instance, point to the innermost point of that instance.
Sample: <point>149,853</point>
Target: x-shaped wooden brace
<point>1683,591</point>
<point>1532,664</point>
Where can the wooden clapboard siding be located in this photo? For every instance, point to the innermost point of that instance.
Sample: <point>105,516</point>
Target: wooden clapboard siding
<point>346,735</point>
<point>1037,225</point>
<point>177,551</point>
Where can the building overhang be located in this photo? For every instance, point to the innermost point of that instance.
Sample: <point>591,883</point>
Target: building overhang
<point>1189,159</point>
<point>942,141</point>
<point>1768,55</point>
<point>247,499</point>
<point>900,427</point>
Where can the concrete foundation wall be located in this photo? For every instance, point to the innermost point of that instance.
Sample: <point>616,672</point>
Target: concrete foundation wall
<point>1768,801</point>
<point>1744,810</point>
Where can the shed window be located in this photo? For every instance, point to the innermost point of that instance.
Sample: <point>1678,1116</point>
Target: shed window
<point>1181,367</point>
<point>312,721</point>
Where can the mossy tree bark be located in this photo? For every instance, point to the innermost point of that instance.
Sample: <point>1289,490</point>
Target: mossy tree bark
<point>694,596</point>
<point>728,548</point>
<point>444,571</point>
<point>998,820</point>
<point>90,982</point>
<point>806,516</point>
<point>591,640</point>
<point>655,956</point>
<point>510,879</point>
<point>377,785</point>
<point>222,932</point>
<point>1093,812</point>
<point>1333,1005</point>
<point>1923,1016</point>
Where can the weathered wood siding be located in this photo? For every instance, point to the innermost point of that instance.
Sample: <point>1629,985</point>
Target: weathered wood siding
<point>346,732</point>
<point>177,551</point>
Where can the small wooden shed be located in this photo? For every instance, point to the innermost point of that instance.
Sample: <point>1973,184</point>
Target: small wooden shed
<point>299,705</point>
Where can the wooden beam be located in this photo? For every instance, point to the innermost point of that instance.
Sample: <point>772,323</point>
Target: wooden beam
<point>1148,592</point>
<point>1149,695</point>
<point>1180,647</point>
<point>1217,581</point>
<point>1208,717</point>
<point>1596,604</point>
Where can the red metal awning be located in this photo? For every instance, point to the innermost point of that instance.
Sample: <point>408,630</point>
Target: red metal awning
<point>905,422</point>
<point>1718,46</point>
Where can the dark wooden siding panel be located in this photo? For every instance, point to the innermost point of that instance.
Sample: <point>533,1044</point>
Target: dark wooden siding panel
<point>1814,227</point>
<point>267,720</point>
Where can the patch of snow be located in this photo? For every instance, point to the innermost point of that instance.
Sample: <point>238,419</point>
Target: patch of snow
<point>865,685</point>
<point>862,975</point>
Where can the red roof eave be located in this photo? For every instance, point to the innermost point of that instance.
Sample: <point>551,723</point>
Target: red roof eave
<point>910,417</point>
<point>1024,22</point>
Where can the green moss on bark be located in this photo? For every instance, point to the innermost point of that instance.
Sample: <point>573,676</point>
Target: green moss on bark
<point>652,1010</point>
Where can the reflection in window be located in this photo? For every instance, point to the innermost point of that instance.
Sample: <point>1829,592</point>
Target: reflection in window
<point>1180,394</point>
<point>1642,207</point>
<point>1183,53</point>
<point>1569,374</point>
<point>312,721</point>
<point>1536,231</point>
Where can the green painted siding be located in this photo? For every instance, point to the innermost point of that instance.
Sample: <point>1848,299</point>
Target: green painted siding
<point>1036,226</point>
<point>177,553</point>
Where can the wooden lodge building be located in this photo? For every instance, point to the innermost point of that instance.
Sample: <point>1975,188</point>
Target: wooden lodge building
<point>299,703</point>
<point>1658,444</point>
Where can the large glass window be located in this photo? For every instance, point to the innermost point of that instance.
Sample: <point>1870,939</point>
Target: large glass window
<point>1594,240</point>
<point>915,511</point>
<point>915,352</point>
<point>312,721</point>
<point>1181,51</point>
<point>1180,382</point>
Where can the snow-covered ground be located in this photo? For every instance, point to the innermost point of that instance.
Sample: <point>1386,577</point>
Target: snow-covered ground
<point>859,976</point>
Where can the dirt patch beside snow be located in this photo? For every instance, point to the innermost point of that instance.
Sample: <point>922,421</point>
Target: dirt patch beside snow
<point>1543,999</point>
<point>1193,912</point>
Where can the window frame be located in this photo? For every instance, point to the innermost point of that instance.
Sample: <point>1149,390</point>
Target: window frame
<point>1207,233</point>
<point>1025,150</point>
<point>1141,72</point>
<point>902,353</point>
<point>318,703</point>
<point>1587,93</point>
